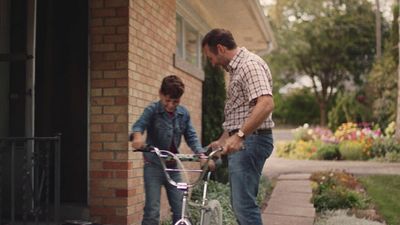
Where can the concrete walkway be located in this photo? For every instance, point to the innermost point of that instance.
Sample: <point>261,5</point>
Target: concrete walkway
<point>290,200</point>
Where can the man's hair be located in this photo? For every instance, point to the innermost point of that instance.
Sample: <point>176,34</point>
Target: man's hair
<point>172,86</point>
<point>218,36</point>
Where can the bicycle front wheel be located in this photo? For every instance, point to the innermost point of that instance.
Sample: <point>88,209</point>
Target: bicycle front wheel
<point>213,213</point>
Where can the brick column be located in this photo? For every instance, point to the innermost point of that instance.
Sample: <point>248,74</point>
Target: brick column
<point>111,180</point>
<point>131,50</point>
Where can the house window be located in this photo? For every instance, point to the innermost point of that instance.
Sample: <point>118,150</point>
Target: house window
<point>188,45</point>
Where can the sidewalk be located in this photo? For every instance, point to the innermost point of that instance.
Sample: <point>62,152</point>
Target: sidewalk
<point>290,202</point>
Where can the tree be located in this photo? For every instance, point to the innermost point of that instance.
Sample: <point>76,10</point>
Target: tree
<point>330,41</point>
<point>214,95</point>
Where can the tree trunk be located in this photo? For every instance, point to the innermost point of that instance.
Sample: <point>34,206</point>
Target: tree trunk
<point>378,31</point>
<point>398,83</point>
<point>322,111</point>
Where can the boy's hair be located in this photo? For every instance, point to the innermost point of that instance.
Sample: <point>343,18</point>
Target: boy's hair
<point>218,36</point>
<point>172,86</point>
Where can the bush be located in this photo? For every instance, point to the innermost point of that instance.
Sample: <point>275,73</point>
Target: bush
<point>288,107</point>
<point>221,192</point>
<point>283,149</point>
<point>338,198</point>
<point>327,152</point>
<point>352,150</point>
<point>302,133</point>
<point>336,190</point>
<point>304,149</point>
<point>381,146</point>
<point>392,157</point>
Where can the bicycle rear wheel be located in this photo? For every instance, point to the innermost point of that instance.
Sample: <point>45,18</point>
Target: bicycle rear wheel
<point>213,214</point>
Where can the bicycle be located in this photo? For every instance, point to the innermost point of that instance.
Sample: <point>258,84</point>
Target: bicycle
<point>211,211</point>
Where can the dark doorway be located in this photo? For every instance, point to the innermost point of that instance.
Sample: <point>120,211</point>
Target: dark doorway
<point>61,88</point>
<point>45,92</point>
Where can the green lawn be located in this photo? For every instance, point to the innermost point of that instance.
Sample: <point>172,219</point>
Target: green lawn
<point>384,190</point>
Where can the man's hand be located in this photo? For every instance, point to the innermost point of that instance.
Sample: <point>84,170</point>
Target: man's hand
<point>233,144</point>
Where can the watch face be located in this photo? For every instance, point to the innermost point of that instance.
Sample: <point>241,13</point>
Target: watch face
<point>240,134</point>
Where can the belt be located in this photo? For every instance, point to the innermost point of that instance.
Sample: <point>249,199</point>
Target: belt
<point>256,132</point>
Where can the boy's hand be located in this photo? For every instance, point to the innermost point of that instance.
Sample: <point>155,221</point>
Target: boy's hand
<point>211,165</point>
<point>137,140</point>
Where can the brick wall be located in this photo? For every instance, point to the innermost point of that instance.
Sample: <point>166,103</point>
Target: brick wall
<point>131,50</point>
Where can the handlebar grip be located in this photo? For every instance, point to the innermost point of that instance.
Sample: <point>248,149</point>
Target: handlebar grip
<point>146,148</point>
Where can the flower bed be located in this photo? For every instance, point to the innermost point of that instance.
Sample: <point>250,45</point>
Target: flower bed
<point>339,191</point>
<point>350,141</point>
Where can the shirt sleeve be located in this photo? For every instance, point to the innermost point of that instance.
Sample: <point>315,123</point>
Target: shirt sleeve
<point>144,120</point>
<point>258,79</point>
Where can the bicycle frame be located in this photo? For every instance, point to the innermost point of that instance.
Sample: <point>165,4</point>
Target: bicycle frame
<point>184,186</point>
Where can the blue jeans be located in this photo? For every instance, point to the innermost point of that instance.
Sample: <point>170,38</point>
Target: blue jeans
<point>245,168</point>
<point>154,179</point>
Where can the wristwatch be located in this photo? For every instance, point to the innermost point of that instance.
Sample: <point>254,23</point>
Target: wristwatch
<point>240,134</point>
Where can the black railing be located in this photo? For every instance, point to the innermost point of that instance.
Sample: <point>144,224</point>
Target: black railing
<point>30,180</point>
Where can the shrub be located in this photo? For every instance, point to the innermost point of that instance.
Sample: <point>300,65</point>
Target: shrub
<point>288,107</point>
<point>302,133</point>
<point>221,192</point>
<point>336,190</point>
<point>348,107</point>
<point>304,149</point>
<point>352,150</point>
<point>327,152</point>
<point>283,149</point>
<point>381,146</point>
<point>338,198</point>
<point>392,157</point>
<point>390,130</point>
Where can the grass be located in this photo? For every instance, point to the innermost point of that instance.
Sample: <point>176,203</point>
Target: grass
<point>384,190</point>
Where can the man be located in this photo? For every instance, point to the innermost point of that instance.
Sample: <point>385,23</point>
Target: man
<point>247,137</point>
<point>165,121</point>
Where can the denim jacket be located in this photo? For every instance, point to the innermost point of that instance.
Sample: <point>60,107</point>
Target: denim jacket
<point>161,129</point>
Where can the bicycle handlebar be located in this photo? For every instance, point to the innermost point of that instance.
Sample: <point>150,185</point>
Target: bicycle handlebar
<point>166,155</point>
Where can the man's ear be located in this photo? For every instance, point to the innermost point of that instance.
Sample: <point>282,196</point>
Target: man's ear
<point>221,48</point>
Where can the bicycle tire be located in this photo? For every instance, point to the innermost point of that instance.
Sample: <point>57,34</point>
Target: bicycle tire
<point>213,214</point>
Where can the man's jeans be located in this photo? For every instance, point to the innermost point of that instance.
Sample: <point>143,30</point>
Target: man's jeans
<point>154,179</point>
<point>245,169</point>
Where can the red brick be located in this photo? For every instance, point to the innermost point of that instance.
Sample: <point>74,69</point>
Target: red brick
<point>116,3</point>
<point>102,211</point>
<point>121,100</point>
<point>101,174</point>
<point>102,137</point>
<point>117,165</point>
<point>102,155</point>
<point>103,65</point>
<point>98,12</point>
<point>103,100</point>
<point>125,193</point>
<point>116,21</point>
<point>110,83</point>
<point>115,127</point>
<point>102,119</point>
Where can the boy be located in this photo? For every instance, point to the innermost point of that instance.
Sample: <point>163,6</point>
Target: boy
<point>165,122</point>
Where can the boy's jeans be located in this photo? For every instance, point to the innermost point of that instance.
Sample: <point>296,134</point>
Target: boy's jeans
<point>154,178</point>
<point>245,169</point>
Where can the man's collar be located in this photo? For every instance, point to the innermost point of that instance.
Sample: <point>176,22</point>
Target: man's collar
<point>234,63</point>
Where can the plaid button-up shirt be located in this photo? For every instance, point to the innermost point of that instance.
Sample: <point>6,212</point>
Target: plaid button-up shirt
<point>250,78</point>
